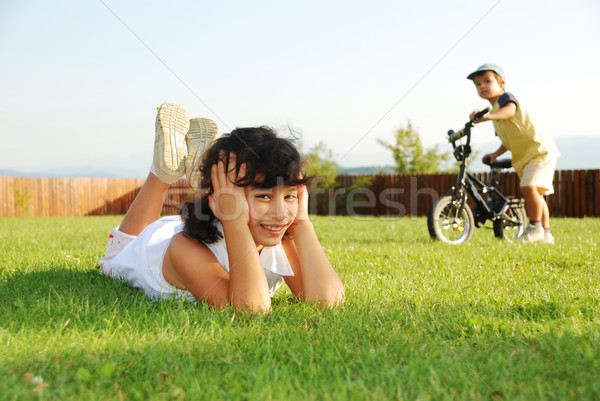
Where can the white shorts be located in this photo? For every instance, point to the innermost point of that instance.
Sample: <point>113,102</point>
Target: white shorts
<point>540,175</point>
<point>117,240</point>
<point>138,259</point>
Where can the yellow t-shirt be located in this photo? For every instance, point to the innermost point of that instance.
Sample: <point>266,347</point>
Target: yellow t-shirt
<point>520,135</point>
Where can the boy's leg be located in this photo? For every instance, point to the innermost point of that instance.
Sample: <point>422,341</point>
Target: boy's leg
<point>548,237</point>
<point>536,181</point>
<point>534,203</point>
<point>534,206</point>
<point>545,214</point>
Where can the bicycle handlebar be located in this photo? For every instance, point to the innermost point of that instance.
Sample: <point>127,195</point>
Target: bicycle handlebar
<point>454,136</point>
<point>480,114</point>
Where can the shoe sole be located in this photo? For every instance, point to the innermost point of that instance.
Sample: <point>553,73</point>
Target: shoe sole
<point>172,125</point>
<point>200,137</point>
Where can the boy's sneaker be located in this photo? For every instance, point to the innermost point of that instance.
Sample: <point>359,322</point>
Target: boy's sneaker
<point>169,142</point>
<point>533,233</point>
<point>200,137</point>
<point>548,238</point>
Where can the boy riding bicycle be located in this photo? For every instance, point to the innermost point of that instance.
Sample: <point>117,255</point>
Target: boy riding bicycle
<point>534,154</point>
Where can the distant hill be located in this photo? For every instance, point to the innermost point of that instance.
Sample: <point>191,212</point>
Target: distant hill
<point>577,152</point>
<point>367,170</point>
<point>71,172</point>
<point>131,166</point>
<point>67,172</point>
<point>97,173</point>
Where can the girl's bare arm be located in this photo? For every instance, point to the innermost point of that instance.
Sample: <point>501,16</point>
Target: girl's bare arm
<point>315,279</point>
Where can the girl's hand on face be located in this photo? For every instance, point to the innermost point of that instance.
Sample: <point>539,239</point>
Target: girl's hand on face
<point>302,215</point>
<point>228,201</point>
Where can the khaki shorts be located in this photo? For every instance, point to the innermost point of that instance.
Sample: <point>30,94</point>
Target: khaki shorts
<point>540,175</point>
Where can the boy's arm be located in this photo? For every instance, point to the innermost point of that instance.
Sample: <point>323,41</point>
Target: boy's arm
<point>507,109</point>
<point>493,156</point>
<point>503,113</point>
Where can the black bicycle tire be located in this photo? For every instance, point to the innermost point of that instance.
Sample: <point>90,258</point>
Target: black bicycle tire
<point>499,228</point>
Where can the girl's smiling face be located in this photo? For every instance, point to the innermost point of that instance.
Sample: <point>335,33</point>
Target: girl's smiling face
<point>272,211</point>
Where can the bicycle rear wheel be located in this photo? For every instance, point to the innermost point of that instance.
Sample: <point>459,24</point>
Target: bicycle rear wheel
<point>512,223</point>
<point>446,224</point>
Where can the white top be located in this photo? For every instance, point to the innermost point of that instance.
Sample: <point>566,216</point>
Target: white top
<point>140,261</point>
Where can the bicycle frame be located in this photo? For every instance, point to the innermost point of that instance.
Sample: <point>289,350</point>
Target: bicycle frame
<point>496,203</point>
<point>452,220</point>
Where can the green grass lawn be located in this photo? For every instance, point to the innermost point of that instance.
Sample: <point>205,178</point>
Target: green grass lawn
<point>488,320</point>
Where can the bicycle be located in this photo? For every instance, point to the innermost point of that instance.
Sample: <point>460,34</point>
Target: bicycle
<point>450,218</point>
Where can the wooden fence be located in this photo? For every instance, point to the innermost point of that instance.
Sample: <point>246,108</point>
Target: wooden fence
<point>577,194</point>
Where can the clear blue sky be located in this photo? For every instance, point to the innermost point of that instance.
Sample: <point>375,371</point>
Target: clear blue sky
<point>81,80</point>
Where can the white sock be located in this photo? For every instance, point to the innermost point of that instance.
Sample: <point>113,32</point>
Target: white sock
<point>153,171</point>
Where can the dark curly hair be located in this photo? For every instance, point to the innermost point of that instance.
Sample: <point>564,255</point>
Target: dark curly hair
<point>270,161</point>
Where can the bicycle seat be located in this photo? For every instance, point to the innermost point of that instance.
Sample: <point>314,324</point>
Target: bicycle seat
<point>498,163</point>
<point>502,163</point>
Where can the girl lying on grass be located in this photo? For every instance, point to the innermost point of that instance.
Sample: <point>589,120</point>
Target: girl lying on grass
<point>246,233</point>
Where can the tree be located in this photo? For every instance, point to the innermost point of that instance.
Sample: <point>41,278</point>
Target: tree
<point>321,164</point>
<point>326,197</point>
<point>410,157</point>
<point>324,170</point>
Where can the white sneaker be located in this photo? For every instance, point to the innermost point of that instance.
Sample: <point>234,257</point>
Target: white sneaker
<point>172,124</point>
<point>548,238</point>
<point>200,137</point>
<point>533,233</point>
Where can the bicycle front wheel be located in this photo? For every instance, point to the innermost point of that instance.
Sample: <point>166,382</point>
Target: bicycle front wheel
<point>447,223</point>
